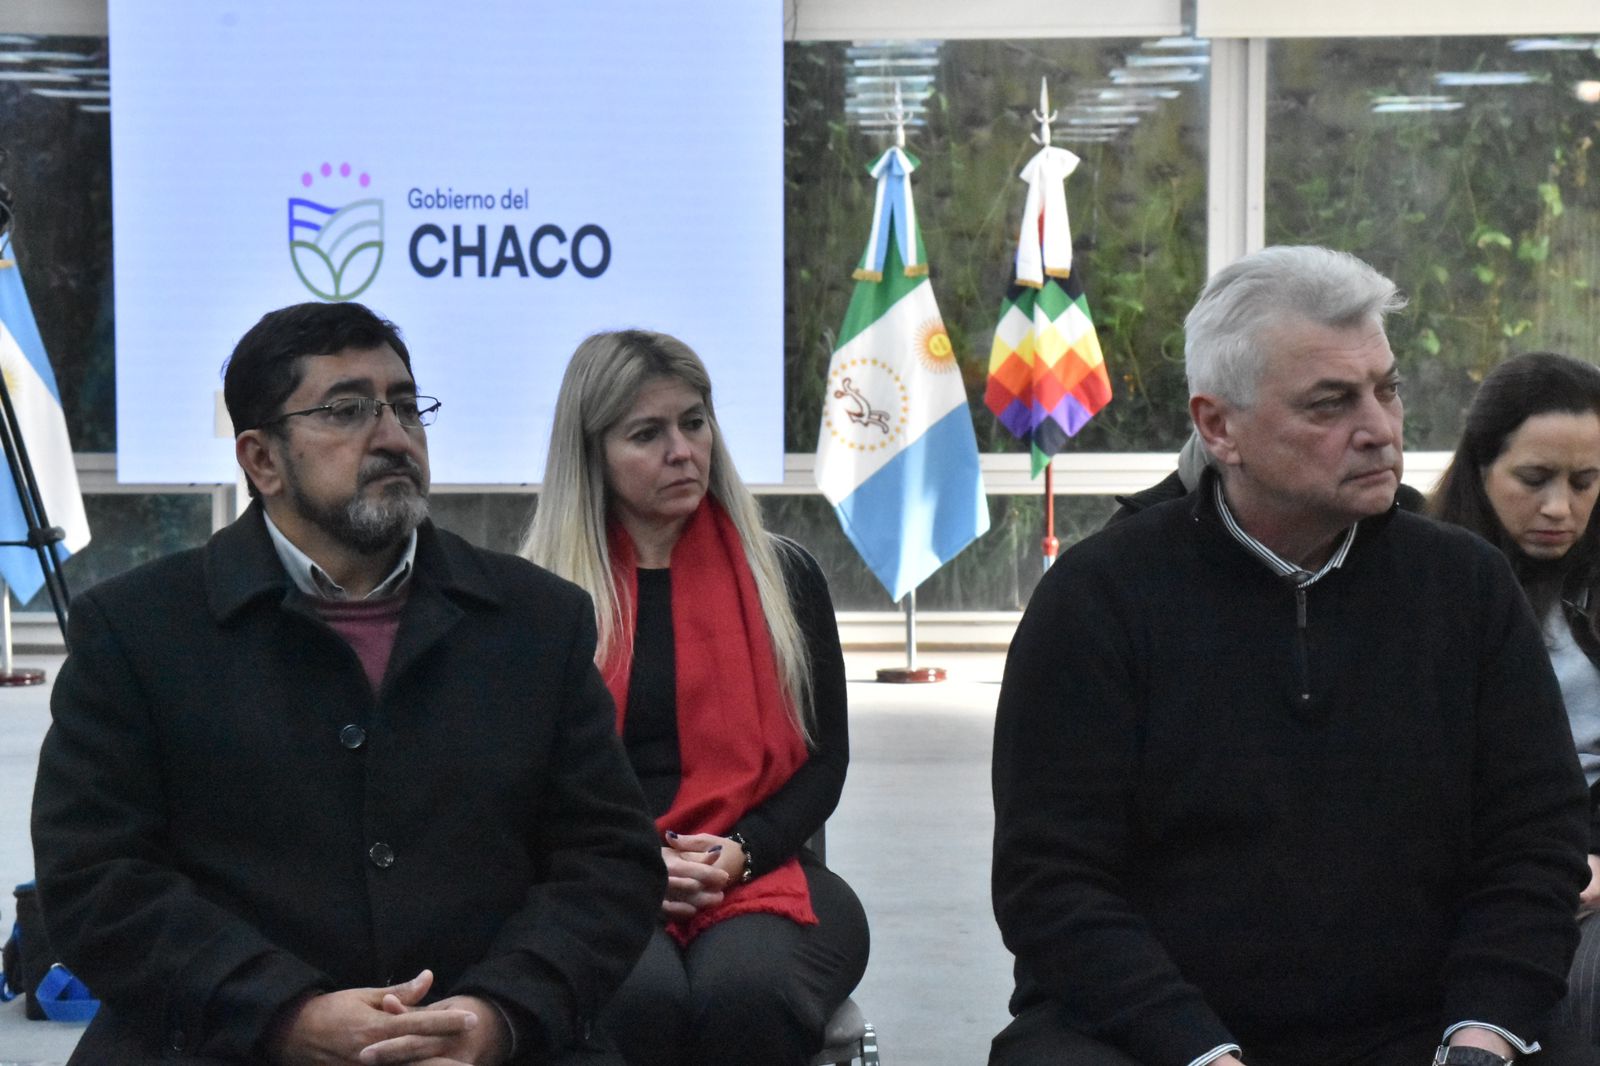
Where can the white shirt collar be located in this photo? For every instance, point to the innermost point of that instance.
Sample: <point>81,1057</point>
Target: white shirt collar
<point>311,579</point>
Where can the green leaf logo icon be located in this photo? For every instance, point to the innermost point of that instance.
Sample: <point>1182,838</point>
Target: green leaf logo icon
<point>336,250</point>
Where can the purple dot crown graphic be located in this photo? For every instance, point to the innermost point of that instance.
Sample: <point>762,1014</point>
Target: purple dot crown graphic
<point>326,170</point>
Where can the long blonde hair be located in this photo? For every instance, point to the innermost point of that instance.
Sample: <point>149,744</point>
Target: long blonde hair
<point>568,532</point>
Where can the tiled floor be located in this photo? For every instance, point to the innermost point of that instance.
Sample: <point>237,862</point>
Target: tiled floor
<point>912,834</point>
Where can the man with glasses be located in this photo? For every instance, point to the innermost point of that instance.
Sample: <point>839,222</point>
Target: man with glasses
<point>339,787</point>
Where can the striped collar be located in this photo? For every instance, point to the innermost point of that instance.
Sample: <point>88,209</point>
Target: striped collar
<point>1301,577</point>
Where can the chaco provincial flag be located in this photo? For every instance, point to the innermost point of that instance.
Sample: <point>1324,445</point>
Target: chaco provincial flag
<point>1046,373</point>
<point>43,427</point>
<point>896,455</point>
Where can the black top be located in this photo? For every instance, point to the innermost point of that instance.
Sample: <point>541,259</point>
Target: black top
<point>1188,854</point>
<point>650,730</point>
<point>777,829</point>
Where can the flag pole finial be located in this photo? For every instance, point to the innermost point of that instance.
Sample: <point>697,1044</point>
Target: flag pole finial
<point>1044,116</point>
<point>898,116</point>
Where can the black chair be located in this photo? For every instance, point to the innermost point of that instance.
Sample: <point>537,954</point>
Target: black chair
<point>850,1039</point>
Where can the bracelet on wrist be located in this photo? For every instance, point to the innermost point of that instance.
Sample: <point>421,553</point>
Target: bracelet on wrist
<point>749,864</point>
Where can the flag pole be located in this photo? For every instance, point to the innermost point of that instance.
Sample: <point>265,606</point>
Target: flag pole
<point>892,380</point>
<point>42,537</point>
<point>1050,545</point>
<point>911,673</point>
<point>10,675</point>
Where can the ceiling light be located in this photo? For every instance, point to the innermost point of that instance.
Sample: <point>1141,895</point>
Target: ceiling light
<point>45,57</point>
<point>1111,109</point>
<point>74,94</point>
<point>1102,120</point>
<point>1390,104</point>
<point>1486,77</point>
<point>1554,44</point>
<point>1137,60</point>
<point>1154,76</point>
<point>33,75</point>
<point>1131,92</point>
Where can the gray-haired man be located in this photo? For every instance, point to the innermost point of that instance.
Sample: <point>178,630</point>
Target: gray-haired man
<point>1278,766</point>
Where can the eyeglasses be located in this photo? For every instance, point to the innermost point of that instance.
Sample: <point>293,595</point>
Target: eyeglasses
<point>354,413</point>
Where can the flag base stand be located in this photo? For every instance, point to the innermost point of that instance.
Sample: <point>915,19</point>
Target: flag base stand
<point>907,675</point>
<point>911,673</point>
<point>12,675</point>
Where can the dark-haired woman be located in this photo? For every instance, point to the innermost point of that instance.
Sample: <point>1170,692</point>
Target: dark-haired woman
<point>1526,476</point>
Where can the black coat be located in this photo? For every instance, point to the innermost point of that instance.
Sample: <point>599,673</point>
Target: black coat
<point>214,839</point>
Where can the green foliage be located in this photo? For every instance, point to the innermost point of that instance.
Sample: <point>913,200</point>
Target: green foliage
<point>1485,216</point>
<point>1137,208</point>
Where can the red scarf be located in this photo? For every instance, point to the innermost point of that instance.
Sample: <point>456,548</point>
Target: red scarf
<point>737,744</point>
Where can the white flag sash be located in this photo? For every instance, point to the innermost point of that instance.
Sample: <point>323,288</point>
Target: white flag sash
<point>1044,247</point>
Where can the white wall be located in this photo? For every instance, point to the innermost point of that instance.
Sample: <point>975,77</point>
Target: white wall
<point>1385,18</point>
<point>836,20</point>
<point>69,18</point>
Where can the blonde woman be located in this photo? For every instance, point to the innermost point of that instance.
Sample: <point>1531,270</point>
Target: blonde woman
<point>718,643</point>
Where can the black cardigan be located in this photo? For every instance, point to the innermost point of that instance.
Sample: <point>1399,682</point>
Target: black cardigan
<point>1188,853</point>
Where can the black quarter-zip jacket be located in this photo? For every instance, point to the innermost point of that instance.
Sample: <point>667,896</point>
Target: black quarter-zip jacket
<point>1228,810</point>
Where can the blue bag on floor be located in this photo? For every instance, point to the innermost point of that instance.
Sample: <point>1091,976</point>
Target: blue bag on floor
<point>28,967</point>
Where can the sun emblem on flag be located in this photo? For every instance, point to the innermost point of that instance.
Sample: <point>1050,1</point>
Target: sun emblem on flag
<point>866,405</point>
<point>934,349</point>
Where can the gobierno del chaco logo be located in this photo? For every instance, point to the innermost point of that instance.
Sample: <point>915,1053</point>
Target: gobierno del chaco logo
<point>336,232</point>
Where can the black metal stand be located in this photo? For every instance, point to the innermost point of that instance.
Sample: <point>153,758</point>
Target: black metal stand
<point>42,537</point>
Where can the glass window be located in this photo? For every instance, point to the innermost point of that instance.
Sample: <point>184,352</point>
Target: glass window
<point>56,160</point>
<point>1137,202</point>
<point>1465,168</point>
<point>130,529</point>
<point>494,520</point>
<point>997,573</point>
<point>1133,111</point>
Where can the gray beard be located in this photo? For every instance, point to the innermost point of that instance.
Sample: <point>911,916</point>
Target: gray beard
<point>365,525</point>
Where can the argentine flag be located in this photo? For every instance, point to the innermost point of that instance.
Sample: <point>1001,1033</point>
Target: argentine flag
<point>43,426</point>
<point>896,455</point>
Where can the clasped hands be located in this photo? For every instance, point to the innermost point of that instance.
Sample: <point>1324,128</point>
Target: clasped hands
<point>373,1026</point>
<point>1589,898</point>
<point>700,868</point>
